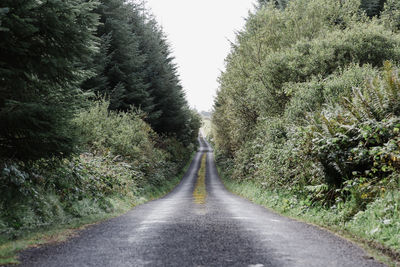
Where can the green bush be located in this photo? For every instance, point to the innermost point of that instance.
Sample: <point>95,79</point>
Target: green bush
<point>121,157</point>
<point>308,111</point>
<point>380,220</point>
<point>267,88</point>
<point>361,44</point>
<point>359,137</point>
<point>124,133</point>
<point>309,97</point>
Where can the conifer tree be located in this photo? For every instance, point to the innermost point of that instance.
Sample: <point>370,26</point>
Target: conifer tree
<point>44,50</point>
<point>373,7</point>
<point>135,68</point>
<point>120,75</point>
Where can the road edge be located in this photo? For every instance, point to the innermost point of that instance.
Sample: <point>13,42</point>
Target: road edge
<point>379,253</point>
<point>61,233</point>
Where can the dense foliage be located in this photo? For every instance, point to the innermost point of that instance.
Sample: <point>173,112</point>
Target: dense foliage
<point>121,161</point>
<point>371,7</point>
<point>135,67</point>
<point>56,54</point>
<point>44,49</point>
<point>309,102</point>
<point>63,152</point>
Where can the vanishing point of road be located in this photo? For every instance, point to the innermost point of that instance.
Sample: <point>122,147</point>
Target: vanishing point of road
<point>220,230</point>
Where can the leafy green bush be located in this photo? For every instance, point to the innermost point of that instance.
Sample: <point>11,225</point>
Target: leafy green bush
<point>266,88</point>
<point>360,44</point>
<point>380,220</point>
<point>47,191</point>
<point>360,136</point>
<point>124,133</point>
<point>306,113</point>
<point>310,96</point>
<point>268,34</point>
<point>121,157</point>
<point>391,15</point>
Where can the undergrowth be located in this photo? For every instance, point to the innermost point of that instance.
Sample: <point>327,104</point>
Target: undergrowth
<point>307,115</point>
<point>122,163</point>
<point>54,233</point>
<point>377,227</point>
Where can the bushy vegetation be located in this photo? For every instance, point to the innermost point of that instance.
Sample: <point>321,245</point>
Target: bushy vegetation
<point>309,105</point>
<point>123,159</point>
<point>65,154</point>
<point>56,55</point>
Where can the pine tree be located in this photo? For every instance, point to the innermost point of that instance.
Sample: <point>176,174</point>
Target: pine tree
<point>120,75</point>
<point>170,114</point>
<point>135,68</point>
<point>98,82</point>
<point>168,94</point>
<point>45,47</point>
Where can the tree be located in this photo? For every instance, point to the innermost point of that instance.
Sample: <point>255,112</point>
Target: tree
<point>121,64</point>
<point>135,68</point>
<point>391,14</point>
<point>170,114</point>
<point>45,47</point>
<point>372,7</point>
<point>281,4</point>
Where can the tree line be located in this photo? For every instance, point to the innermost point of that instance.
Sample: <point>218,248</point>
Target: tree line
<point>57,56</point>
<point>309,106</point>
<point>93,118</point>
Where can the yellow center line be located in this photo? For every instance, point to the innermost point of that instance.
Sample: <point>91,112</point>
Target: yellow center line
<point>200,193</point>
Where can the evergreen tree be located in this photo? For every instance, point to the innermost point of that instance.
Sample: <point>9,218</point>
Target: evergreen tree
<point>373,7</point>
<point>98,83</point>
<point>44,48</point>
<point>170,113</point>
<point>120,75</point>
<point>168,93</point>
<point>135,67</point>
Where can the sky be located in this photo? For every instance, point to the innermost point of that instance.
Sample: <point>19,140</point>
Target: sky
<point>198,32</point>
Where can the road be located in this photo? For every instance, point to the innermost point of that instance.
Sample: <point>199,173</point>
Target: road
<point>222,230</point>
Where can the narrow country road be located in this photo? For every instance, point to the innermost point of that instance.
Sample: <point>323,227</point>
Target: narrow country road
<point>220,230</point>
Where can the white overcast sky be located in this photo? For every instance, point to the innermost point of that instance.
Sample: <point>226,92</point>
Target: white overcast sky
<point>198,32</point>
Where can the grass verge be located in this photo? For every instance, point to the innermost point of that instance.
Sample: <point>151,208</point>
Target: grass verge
<point>62,232</point>
<point>357,230</point>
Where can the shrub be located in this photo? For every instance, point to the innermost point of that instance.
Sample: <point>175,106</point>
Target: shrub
<point>124,133</point>
<point>121,157</point>
<point>360,137</point>
<point>309,97</point>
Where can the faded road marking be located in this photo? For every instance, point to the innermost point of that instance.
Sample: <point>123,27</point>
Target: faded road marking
<point>200,193</point>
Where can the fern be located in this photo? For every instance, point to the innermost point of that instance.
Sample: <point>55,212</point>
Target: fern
<point>353,134</point>
<point>378,99</point>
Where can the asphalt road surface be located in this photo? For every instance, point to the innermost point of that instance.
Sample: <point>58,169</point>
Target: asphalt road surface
<point>224,230</point>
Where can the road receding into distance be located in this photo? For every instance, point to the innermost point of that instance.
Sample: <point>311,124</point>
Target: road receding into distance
<point>200,223</point>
